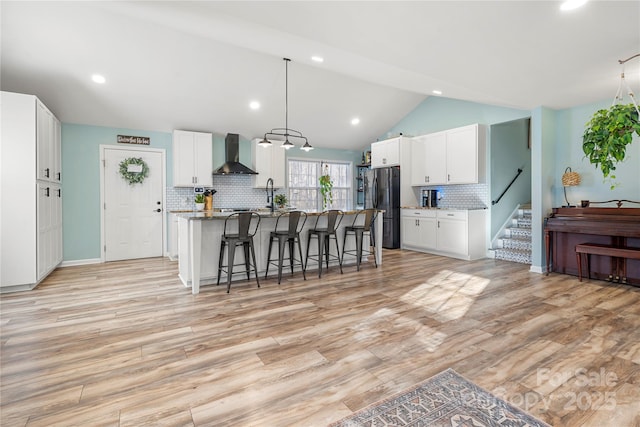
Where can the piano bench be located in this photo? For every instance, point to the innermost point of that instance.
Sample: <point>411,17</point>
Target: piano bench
<point>588,249</point>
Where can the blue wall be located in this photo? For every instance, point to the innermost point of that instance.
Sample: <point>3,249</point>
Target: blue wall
<point>437,113</point>
<point>81,183</point>
<point>81,178</point>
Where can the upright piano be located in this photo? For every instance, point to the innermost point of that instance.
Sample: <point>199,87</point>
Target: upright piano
<point>567,227</point>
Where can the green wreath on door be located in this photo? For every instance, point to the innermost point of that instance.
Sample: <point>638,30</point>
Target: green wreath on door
<point>134,170</point>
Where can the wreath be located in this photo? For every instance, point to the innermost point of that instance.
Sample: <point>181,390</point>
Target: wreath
<point>134,170</point>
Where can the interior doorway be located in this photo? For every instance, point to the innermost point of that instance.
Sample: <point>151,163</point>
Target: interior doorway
<point>132,215</point>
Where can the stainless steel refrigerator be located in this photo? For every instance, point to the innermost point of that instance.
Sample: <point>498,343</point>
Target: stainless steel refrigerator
<point>382,191</point>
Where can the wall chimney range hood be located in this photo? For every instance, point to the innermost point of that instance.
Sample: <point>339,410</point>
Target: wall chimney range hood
<point>232,165</point>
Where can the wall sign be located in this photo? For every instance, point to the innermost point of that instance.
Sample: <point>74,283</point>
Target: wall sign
<point>139,140</point>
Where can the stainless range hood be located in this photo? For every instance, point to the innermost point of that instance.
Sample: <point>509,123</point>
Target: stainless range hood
<point>232,165</point>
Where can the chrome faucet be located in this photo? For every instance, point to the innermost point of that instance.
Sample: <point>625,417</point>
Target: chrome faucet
<point>270,202</point>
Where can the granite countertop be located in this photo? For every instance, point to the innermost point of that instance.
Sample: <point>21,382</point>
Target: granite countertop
<point>443,209</point>
<point>264,213</point>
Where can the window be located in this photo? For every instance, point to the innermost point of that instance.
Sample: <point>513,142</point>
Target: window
<point>304,187</point>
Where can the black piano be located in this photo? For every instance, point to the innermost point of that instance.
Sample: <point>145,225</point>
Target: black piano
<point>567,227</point>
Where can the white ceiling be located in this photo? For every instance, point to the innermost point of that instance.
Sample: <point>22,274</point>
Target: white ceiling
<point>196,65</point>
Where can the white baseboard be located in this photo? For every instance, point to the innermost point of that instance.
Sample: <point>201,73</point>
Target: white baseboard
<point>80,262</point>
<point>537,269</point>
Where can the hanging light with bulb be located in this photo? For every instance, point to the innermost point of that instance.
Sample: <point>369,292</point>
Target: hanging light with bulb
<point>286,132</point>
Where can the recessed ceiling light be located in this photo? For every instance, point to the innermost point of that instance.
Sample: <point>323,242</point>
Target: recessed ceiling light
<point>572,4</point>
<point>98,78</point>
<point>254,105</point>
<point>355,121</point>
<point>437,92</point>
<point>317,58</point>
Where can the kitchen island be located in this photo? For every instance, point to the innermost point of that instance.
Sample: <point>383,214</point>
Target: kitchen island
<point>199,235</point>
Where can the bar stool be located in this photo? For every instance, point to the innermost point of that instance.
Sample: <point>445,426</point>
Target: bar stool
<point>291,235</point>
<point>359,231</point>
<point>324,235</point>
<point>247,226</point>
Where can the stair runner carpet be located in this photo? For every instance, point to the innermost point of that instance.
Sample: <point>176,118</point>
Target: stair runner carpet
<point>516,244</point>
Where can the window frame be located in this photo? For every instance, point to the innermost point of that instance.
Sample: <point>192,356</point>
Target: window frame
<point>319,166</point>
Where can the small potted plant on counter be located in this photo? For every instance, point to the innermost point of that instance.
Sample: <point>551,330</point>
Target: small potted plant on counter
<point>199,199</point>
<point>281,200</point>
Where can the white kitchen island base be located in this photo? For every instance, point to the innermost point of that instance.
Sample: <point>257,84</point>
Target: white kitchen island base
<point>199,236</point>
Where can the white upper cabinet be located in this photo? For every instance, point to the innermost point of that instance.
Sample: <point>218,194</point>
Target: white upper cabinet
<point>192,159</point>
<point>455,156</point>
<point>269,162</point>
<point>386,153</point>
<point>49,165</point>
<point>427,159</point>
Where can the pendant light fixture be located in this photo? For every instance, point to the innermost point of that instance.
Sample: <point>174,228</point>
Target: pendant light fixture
<point>286,132</point>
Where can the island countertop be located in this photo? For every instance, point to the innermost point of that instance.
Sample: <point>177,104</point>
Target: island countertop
<point>199,241</point>
<point>218,215</point>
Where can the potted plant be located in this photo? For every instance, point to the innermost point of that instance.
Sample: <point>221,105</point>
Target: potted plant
<point>607,135</point>
<point>280,200</point>
<point>199,199</point>
<point>326,187</point>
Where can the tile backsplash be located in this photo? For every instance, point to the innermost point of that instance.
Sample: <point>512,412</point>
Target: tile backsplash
<point>462,196</point>
<point>232,191</point>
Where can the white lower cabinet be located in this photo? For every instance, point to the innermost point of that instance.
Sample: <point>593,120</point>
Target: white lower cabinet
<point>418,228</point>
<point>455,233</point>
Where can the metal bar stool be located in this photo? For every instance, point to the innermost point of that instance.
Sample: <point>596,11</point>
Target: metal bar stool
<point>247,226</point>
<point>359,231</point>
<point>290,236</point>
<point>324,235</point>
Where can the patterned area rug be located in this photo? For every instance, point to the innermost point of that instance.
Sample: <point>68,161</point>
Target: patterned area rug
<point>447,399</point>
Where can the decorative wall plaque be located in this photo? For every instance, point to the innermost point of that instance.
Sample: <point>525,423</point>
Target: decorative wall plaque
<point>138,140</point>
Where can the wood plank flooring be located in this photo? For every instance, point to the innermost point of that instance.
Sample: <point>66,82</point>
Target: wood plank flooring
<point>125,344</point>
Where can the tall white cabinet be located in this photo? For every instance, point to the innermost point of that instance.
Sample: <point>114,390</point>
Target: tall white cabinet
<point>31,192</point>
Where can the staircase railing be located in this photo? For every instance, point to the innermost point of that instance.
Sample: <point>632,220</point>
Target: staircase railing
<point>493,202</point>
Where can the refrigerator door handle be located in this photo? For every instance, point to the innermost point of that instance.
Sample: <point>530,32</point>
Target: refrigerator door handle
<point>374,192</point>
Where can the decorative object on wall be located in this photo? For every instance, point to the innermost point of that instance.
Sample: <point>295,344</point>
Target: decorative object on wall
<point>569,179</point>
<point>134,170</point>
<point>326,188</point>
<point>609,131</point>
<point>138,140</point>
<point>286,132</point>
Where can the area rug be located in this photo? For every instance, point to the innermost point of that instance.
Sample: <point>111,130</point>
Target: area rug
<point>447,399</point>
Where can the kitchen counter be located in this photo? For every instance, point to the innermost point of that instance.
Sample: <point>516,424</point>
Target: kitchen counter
<point>442,209</point>
<point>264,213</point>
<point>200,235</point>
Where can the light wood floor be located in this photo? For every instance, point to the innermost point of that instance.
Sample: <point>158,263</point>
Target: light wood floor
<point>125,344</point>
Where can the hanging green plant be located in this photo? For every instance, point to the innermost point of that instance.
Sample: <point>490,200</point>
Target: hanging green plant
<point>326,188</point>
<point>134,170</point>
<point>607,135</point>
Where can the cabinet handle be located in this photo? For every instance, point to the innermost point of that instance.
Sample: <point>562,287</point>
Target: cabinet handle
<point>46,191</point>
<point>46,173</point>
<point>427,178</point>
<point>59,176</point>
<point>59,192</point>
<point>438,224</point>
<point>448,177</point>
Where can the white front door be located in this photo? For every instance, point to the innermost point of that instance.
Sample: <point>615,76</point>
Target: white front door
<point>132,213</point>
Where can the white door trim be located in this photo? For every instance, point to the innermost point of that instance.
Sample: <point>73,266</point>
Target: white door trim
<point>162,151</point>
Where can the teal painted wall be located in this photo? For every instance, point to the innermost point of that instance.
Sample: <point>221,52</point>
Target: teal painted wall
<point>437,113</point>
<point>81,183</point>
<point>568,151</point>
<point>81,177</point>
<point>509,151</point>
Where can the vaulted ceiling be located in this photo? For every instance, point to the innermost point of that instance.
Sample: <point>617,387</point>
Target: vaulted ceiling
<point>197,65</point>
